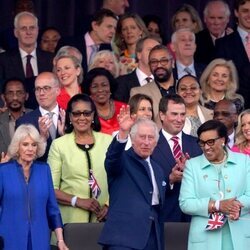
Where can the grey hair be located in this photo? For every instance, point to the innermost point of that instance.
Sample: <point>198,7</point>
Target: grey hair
<point>24,13</point>
<point>143,121</point>
<point>177,32</point>
<point>102,54</point>
<point>69,51</point>
<point>20,134</point>
<point>206,9</point>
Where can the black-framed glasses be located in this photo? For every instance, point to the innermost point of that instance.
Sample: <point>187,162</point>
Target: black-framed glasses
<point>223,113</point>
<point>85,113</point>
<point>209,142</point>
<point>162,61</point>
<point>45,89</point>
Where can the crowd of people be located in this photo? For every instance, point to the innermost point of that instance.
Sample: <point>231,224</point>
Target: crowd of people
<point>120,126</point>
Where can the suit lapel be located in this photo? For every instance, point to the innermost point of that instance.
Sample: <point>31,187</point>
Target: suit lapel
<point>16,64</point>
<point>4,128</point>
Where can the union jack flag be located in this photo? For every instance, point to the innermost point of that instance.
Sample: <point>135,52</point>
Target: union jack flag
<point>215,221</point>
<point>95,189</point>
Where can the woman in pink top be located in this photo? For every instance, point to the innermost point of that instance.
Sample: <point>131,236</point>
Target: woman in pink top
<point>70,74</point>
<point>242,143</point>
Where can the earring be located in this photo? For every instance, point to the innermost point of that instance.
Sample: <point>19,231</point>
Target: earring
<point>93,121</point>
<point>223,144</point>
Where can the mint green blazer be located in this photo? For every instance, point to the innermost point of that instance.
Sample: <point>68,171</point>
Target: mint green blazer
<point>199,185</point>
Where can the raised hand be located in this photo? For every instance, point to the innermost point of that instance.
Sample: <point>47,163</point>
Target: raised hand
<point>44,122</point>
<point>4,157</point>
<point>61,122</point>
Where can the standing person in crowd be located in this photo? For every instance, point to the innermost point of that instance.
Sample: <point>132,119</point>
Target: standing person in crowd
<point>186,16</point>
<point>28,60</point>
<point>98,37</point>
<point>137,188</point>
<point>219,81</point>
<point>77,164</point>
<point>142,73</point>
<point>28,205</point>
<point>130,28</point>
<point>173,148</point>
<point>118,6</point>
<point>215,191</point>
<point>242,143</point>
<point>160,63</point>
<point>225,111</point>
<point>100,85</point>
<point>14,96</point>
<point>70,74</point>
<point>216,16</point>
<point>106,59</point>
<point>49,39</point>
<point>48,118</point>
<point>236,47</point>
<point>188,87</point>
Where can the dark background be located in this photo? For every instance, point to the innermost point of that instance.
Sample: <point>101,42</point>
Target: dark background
<point>69,15</point>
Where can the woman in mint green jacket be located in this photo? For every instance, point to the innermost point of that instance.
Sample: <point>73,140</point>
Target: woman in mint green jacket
<point>216,185</point>
<point>77,164</point>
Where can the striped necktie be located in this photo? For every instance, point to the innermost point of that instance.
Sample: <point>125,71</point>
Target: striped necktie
<point>177,148</point>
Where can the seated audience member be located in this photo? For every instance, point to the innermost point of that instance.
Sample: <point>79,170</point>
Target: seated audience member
<point>100,85</point>
<point>154,25</point>
<point>48,118</point>
<point>70,75</point>
<point>171,152</point>
<point>215,192</point>
<point>29,210</point>
<point>137,188</point>
<point>186,17</point>
<point>130,28</point>
<point>188,87</point>
<point>216,18</point>
<point>49,39</point>
<point>77,164</point>
<point>183,45</point>
<point>219,81</point>
<point>142,73</point>
<point>14,95</point>
<point>242,142</point>
<point>160,63</point>
<point>98,37</point>
<point>106,59</point>
<point>225,111</point>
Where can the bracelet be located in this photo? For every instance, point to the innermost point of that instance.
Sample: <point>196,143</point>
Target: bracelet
<point>212,206</point>
<point>217,205</point>
<point>73,201</point>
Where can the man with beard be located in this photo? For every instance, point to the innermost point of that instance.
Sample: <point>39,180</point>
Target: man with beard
<point>160,63</point>
<point>14,95</point>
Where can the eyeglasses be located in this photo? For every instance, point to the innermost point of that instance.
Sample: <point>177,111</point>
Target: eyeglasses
<point>45,89</point>
<point>85,113</point>
<point>223,113</point>
<point>185,89</point>
<point>26,28</point>
<point>209,142</point>
<point>163,62</point>
<point>18,93</point>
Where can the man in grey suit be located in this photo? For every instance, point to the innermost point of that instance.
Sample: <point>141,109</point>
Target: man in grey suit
<point>14,96</point>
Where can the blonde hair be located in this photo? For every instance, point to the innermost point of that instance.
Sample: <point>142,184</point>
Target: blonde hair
<point>103,54</point>
<point>241,142</point>
<point>232,85</point>
<point>20,134</point>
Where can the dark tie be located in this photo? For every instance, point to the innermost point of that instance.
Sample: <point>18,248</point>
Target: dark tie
<point>148,79</point>
<point>52,128</point>
<point>29,70</point>
<point>177,148</point>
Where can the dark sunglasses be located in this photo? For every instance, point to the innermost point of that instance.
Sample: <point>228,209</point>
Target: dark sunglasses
<point>85,113</point>
<point>209,142</point>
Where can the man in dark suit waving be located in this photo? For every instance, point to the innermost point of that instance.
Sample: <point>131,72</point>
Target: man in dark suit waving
<point>136,188</point>
<point>173,148</point>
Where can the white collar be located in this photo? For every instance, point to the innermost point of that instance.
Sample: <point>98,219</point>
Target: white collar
<point>169,136</point>
<point>54,110</point>
<point>24,53</point>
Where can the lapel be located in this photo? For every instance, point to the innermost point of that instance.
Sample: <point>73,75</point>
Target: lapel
<point>4,128</point>
<point>134,82</point>
<point>16,63</point>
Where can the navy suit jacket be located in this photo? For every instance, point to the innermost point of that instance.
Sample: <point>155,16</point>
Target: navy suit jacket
<point>164,157</point>
<point>32,118</point>
<point>79,43</point>
<point>130,214</point>
<point>125,84</point>
<point>232,48</point>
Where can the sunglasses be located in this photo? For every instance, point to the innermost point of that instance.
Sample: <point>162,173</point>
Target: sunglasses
<point>209,142</point>
<point>85,113</point>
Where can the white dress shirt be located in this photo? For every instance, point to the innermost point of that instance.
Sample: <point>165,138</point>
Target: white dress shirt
<point>55,111</point>
<point>33,61</point>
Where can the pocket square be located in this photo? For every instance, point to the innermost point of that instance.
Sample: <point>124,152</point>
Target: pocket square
<point>164,183</point>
